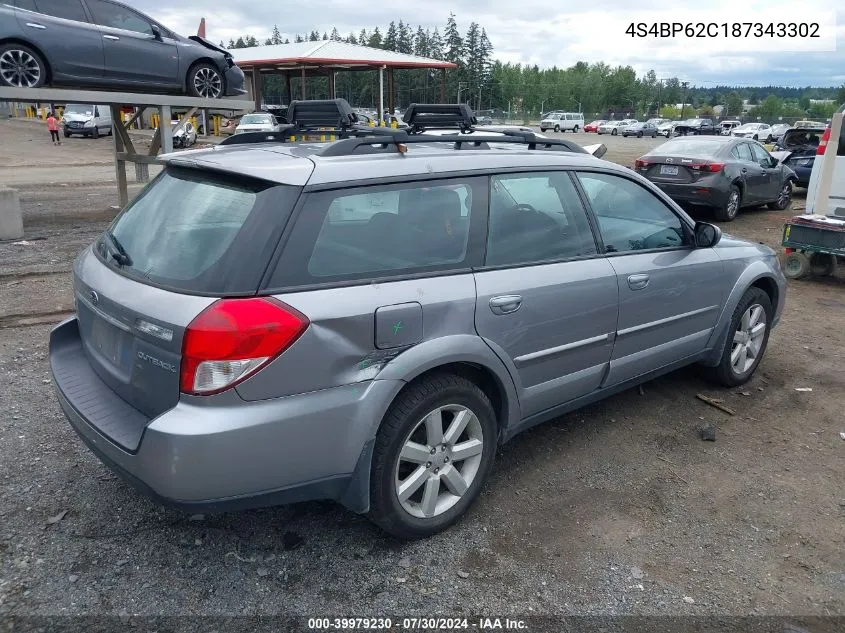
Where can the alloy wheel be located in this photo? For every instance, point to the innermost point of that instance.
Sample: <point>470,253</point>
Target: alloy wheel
<point>208,83</point>
<point>784,196</point>
<point>19,69</point>
<point>435,468</point>
<point>748,339</point>
<point>733,204</point>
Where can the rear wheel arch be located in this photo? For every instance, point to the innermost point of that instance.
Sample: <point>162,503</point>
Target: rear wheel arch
<point>23,42</point>
<point>483,377</point>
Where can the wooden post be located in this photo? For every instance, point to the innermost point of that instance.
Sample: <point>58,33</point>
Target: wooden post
<point>257,87</point>
<point>302,91</point>
<point>442,85</point>
<point>390,101</point>
<point>119,165</point>
<point>288,88</point>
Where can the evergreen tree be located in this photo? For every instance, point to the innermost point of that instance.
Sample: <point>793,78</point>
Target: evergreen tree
<point>454,44</point>
<point>298,39</point>
<point>421,43</point>
<point>352,39</point>
<point>435,45</point>
<point>314,37</point>
<point>335,36</point>
<point>363,38</point>
<point>325,36</point>
<point>404,39</point>
<point>239,43</point>
<point>276,37</point>
<point>390,37</point>
<point>375,39</point>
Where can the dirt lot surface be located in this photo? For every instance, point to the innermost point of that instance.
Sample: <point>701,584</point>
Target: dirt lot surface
<point>619,508</point>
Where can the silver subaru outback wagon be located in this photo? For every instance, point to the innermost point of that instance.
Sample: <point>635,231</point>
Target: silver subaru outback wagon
<point>366,320</point>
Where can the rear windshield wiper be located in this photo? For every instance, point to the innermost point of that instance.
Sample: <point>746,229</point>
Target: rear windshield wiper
<point>118,252</point>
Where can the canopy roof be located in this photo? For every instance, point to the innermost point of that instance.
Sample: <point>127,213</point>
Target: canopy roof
<point>328,54</point>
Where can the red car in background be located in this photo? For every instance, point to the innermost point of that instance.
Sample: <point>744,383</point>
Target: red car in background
<point>594,126</point>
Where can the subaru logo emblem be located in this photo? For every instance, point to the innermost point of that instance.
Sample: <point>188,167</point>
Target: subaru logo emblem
<point>95,298</point>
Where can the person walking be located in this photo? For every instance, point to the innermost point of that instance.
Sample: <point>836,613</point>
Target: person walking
<point>53,126</point>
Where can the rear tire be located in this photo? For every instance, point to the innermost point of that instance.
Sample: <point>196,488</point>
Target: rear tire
<point>747,340</point>
<point>729,211</point>
<point>639,134</point>
<point>796,266</point>
<point>613,132</point>
<point>21,66</point>
<point>557,128</point>
<point>575,129</point>
<point>822,264</point>
<point>96,132</point>
<point>418,425</point>
<point>66,133</point>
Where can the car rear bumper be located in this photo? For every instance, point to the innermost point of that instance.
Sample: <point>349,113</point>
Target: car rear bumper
<point>231,454</point>
<point>694,193</point>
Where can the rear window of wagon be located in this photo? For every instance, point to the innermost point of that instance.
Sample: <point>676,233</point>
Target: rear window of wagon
<point>201,232</point>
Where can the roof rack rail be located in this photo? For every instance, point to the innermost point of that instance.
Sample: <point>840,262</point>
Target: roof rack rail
<point>419,116</point>
<point>379,140</point>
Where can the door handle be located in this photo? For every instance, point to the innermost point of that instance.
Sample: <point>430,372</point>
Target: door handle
<point>111,37</point>
<point>35,25</point>
<point>505,304</point>
<point>637,282</point>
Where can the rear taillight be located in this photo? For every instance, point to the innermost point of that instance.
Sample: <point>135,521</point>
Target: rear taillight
<point>641,164</point>
<point>234,338</point>
<point>823,143</point>
<point>712,168</point>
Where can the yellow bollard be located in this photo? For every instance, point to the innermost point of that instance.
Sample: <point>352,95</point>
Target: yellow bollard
<point>394,125</point>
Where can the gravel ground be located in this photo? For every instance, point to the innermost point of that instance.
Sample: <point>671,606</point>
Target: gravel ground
<point>619,508</point>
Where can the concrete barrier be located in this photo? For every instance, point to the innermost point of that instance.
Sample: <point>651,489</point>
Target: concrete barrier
<point>11,220</point>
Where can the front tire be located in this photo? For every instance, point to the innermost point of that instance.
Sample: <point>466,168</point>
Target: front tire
<point>575,129</point>
<point>205,81</point>
<point>639,134</point>
<point>95,133</point>
<point>613,132</point>
<point>21,67</point>
<point>66,133</point>
<point>784,198</point>
<point>747,339</point>
<point>433,452</point>
<point>557,128</point>
<point>729,211</point>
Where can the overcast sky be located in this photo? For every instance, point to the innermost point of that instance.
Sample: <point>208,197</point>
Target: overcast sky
<point>549,32</point>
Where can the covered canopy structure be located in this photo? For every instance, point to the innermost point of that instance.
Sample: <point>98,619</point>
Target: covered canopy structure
<point>326,58</point>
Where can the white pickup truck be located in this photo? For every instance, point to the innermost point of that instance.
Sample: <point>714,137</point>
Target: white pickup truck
<point>826,192</point>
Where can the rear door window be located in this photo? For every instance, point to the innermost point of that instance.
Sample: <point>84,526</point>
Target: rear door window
<point>67,9</point>
<point>201,232</point>
<point>384,231</point>
<point>536,217</point>
<point>118,17</point>
<point>743,152</point>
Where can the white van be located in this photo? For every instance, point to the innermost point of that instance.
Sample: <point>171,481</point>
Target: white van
<point>86,119</point>
<point>563,121</point>
<point>826,191</point>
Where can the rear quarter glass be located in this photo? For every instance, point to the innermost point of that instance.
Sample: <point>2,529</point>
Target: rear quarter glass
<point>202,232</point>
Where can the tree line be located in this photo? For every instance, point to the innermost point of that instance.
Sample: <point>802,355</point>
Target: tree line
<point>521,90</point>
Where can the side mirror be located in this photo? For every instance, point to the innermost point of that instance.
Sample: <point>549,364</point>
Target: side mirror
<point>707,235</point>
<point>774,161</point>
<point>156,32</point>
